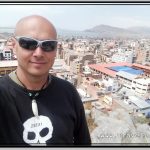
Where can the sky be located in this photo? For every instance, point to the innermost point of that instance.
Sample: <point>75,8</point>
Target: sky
<point>79,17</point>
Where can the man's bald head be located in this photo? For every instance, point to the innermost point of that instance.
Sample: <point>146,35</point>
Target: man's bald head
<point>34,23</point>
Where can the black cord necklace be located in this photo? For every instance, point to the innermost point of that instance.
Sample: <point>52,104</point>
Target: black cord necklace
<point>34,95</point>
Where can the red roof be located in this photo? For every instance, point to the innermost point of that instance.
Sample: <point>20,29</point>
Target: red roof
<point>141,66</point>
<point>102,67</point>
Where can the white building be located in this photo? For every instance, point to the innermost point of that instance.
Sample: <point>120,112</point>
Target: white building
<point>141,86</point>
<point>111,84</point>
<point>146,56</point>
<point>126,78</point>
<point>86,70</point>
<point>141,105</point>
<point>83,93</point>
<point>7,54</point>
<point>58,65</point>
<point>2,43</point>
<point>126,56</point>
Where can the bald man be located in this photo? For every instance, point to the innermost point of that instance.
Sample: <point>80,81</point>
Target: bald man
<point>37,108</point>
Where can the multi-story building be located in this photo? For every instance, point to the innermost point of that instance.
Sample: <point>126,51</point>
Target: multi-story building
<point>7,54</point>
<point>126,74</point>
<point>141,86</point>
<point>76,66</point>
<point>126,56</point>
<point>146,57</point>
<point>59,53</point>
<point>2,43</point>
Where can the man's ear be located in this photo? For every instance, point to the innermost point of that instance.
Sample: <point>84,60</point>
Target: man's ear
<point>13,40</point>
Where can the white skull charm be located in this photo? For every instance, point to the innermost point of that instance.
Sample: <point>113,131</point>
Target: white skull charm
<point>37,130</point>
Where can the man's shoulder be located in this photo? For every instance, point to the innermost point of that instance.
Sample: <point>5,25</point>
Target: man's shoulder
<point>3,80</point>
<point>62,83</point>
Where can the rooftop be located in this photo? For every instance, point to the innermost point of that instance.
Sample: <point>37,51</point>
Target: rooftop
<point>141,66</point>
<point>140,103</point>
<point>127,69</point>
<point>8,63</point>
<point>104,67</point>
<point>112,69</point>
<point>126,75</point>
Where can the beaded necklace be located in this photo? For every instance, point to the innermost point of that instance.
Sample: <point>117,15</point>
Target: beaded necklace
<point>34,95</point>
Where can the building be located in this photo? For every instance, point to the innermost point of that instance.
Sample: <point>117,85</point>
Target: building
<point>141,86</point>
<point>139,105</point>
<point>106,70</point>
<point>7,54</point>
<point>146,55</point>
<point>126,56</point>
<point>7,66</point>
<point>2,43</point>
<point>131,76</point>
<point>146,69</point>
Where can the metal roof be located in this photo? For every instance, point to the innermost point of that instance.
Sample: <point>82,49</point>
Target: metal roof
<point>140,103</point>
<point>126,75</point>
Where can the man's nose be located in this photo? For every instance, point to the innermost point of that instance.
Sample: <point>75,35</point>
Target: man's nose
<point>38,51</point>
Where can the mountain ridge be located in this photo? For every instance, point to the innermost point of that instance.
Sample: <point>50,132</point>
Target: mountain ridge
<point>104,31</point>
<point>111,31</point>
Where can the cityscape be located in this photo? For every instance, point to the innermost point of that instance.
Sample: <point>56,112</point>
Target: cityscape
<point>112,76</point>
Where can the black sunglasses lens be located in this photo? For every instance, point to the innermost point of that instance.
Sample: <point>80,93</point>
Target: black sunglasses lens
<point>28,43</point>
<point>49,45</point>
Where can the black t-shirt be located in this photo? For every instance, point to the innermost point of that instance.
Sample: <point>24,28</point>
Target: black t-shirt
<point>61,118</point>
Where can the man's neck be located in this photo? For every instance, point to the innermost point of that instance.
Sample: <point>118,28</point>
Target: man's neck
<point>32,82</point>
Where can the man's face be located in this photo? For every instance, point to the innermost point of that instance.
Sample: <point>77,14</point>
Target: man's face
<point>35,62</point>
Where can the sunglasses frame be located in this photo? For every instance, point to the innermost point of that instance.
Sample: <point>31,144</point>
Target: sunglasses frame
<point>39,43</point>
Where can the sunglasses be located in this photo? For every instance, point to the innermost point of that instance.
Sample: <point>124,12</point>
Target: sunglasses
<point>32,44</point>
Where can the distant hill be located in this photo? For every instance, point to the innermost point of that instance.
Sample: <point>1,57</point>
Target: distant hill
<point>6,29</point>
<point>104,28</point>
<point>72,33</point>
<point>115,32</point>
<point>140,30</point>
<point>100,31</point>
<point>106,31</point>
